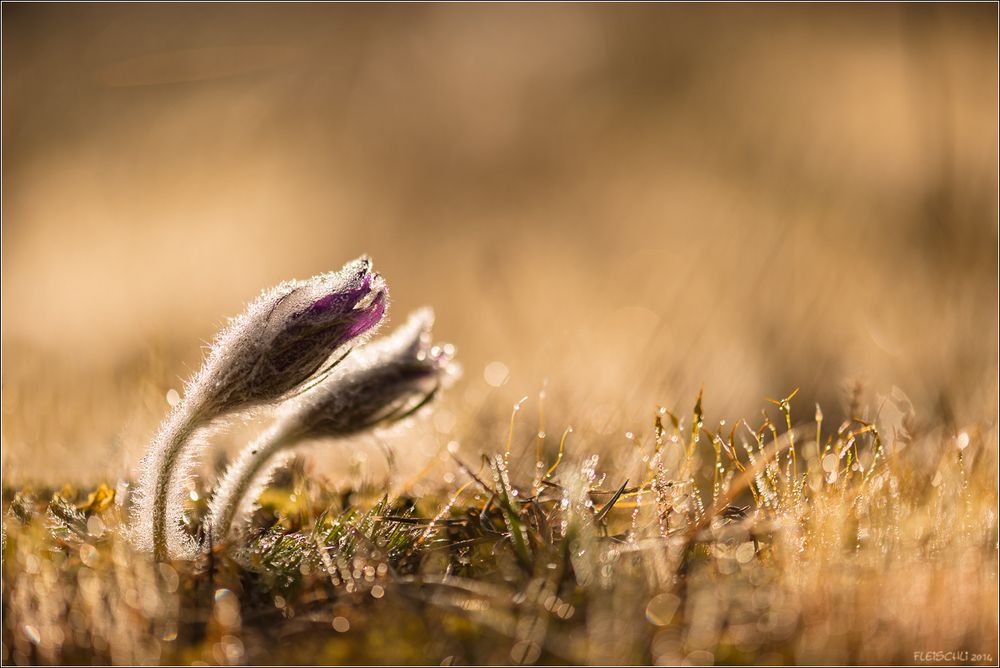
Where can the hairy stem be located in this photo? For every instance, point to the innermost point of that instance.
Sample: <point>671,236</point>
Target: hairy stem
<point>243,481</point>
<point>164,476</point>
<point>159,481</point>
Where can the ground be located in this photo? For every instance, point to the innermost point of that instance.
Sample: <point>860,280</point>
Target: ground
<point>741,544</point>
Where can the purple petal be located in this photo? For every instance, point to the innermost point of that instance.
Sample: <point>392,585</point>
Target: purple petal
<point>370,317</point>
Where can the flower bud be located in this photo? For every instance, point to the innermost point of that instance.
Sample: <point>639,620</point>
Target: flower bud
<point>383,382</point>
<point>286,336</point>
<point>282,341</point>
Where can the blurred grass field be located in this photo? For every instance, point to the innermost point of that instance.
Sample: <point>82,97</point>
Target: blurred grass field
<point>609,208</point>
<point>781,548</point>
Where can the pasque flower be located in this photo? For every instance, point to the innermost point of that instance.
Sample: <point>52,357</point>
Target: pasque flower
<point>381,383</point>
<point>292,334</point>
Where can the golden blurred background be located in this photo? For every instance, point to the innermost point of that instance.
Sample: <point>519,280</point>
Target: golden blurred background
<point>619,204</point>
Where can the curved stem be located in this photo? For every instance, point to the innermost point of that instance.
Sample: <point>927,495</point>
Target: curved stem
<point>166,476</point>
<point>158,481</point>
<point>245,478</point>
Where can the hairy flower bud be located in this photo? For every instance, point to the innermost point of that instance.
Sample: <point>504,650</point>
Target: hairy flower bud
<point>286,336</point>
<point>383,382</point>
<point>282,341</point>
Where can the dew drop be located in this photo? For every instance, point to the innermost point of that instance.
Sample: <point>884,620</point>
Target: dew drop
<point>173,397</point>
<point>496,374</point>
<point>745,552</point>
<point>661,609</point>
<point>32,633</point>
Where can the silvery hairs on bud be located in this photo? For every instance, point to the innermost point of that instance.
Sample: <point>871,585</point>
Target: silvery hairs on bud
<point>290,335</point>
<point>384,381</point>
